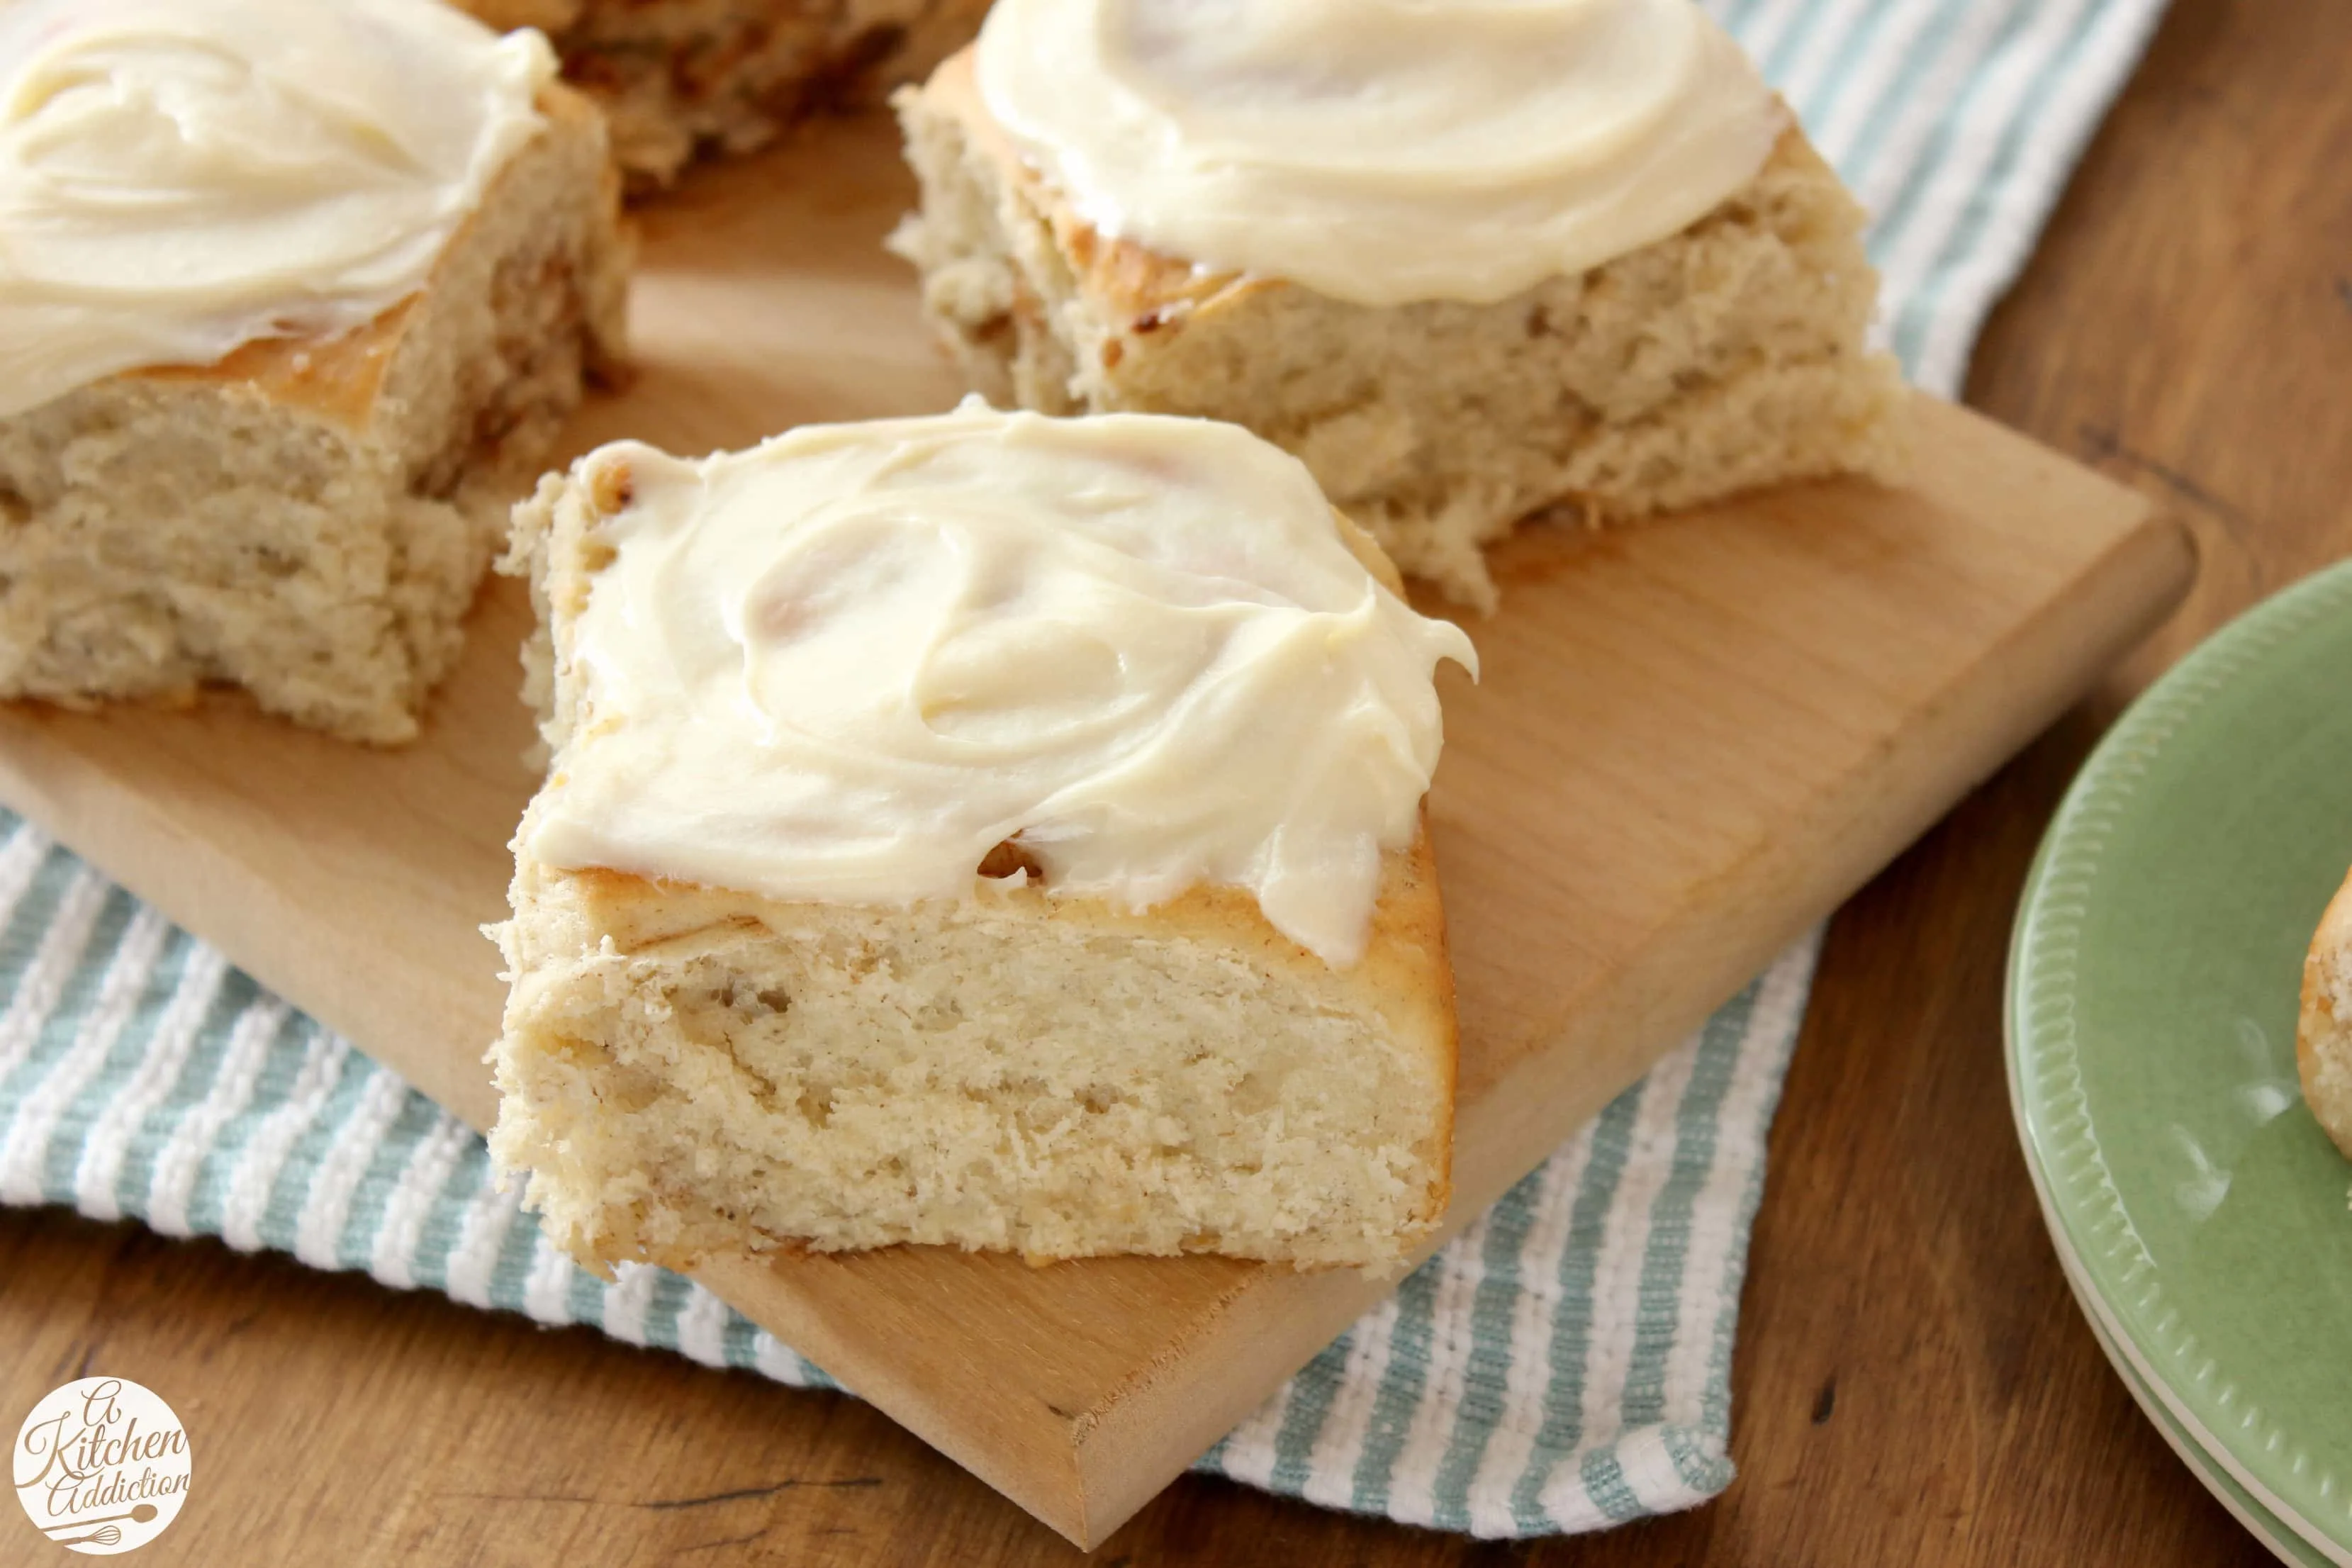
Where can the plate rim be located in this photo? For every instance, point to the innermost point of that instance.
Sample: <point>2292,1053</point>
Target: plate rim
<point>2072,1185</point>
<point>2186,1440</point>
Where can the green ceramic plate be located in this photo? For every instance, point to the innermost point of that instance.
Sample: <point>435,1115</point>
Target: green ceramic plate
<point>2274,1531</point>
<point>2202,1214</point>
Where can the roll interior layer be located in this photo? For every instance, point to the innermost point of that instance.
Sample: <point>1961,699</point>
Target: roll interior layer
<point>1142,650</point>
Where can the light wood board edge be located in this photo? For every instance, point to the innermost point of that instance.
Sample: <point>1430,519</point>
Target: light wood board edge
<point>1083,1471</point>
<point>1132,1447</point>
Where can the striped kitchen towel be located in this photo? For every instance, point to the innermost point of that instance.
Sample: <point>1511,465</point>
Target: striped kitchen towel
<point>1562,1365</point>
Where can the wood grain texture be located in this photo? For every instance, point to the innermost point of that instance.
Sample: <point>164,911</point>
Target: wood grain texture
<point>1912,1384</point>
<point>1689,742</point>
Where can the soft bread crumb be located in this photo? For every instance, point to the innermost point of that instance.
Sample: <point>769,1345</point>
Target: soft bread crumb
<point>1727,357</point>
<point>2323,1041</point>
<point>309,520</point>
<point>687,1070</point>
<point>683,76</point>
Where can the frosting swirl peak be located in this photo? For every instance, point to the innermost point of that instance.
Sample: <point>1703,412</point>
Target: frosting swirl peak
<point>845,665</point>
<point>178,177</point>
<point>1381,151</point>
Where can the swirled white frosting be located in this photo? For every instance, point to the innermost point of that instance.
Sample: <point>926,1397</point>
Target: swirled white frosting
<point>1381,151</point>
<point>179,177</point>
<point>846,663</point>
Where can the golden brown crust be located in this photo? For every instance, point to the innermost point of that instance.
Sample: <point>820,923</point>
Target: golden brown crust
<point>1729,356</point>
<point>508,15</point>
<point>339,379</point>
<point>1405,973</point>
<point>419,427</point>
<point>581,939</point>
<point>2321,1038</point>
<point>685,77</point>
<point>1405,976</point>
<point>1406,953</point>
<point>1152,291</point>
<point>342,378</point>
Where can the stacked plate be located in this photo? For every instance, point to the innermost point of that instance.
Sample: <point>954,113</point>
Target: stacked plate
<point>2204,1220</point>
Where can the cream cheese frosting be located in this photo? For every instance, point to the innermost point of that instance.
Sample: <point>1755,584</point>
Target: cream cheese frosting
<point>843,666</point>
<point>179,177</point>
<point>1381,151</point>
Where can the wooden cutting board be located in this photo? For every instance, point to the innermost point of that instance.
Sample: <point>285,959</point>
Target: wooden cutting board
<point>1692,739</point>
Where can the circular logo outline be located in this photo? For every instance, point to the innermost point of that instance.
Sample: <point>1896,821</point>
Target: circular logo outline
<point>102,1466</point>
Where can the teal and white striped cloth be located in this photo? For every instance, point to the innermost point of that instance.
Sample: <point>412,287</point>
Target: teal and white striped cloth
<point>1563,1365</point>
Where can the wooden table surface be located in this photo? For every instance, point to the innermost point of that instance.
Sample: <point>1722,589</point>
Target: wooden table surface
<point>1914,1384</point>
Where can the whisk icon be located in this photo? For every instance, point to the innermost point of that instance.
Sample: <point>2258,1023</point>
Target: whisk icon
<point>106,1535</point>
